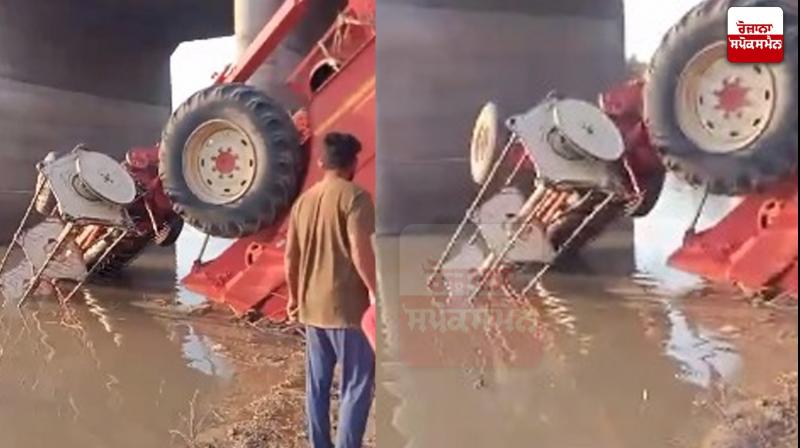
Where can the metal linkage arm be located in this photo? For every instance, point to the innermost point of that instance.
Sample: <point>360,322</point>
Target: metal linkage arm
<point>588,219</point>
<point>53,252</point>
<point>495,260</point>
<point>470,211</point>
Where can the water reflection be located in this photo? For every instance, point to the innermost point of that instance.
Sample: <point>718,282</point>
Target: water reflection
<point>661,233</point>
<point>705,358</point>
<point>198,349</point>
<point>97,375</point>
<point>620,362</point>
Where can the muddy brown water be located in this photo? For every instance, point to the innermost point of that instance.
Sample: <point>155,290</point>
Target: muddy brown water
<point>108,373</point>
<point>616,359</point>
<point>610,358</point>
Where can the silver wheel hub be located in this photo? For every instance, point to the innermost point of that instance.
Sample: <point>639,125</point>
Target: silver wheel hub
<point>723,107</point>
<point>219,162</point>
<point>483,146</point>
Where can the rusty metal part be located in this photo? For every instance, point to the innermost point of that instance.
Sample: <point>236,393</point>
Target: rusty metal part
<point>89,236</point>
<point>538,197</point>
<point>545,201</point>
<point>610,196</point>
<point>98,263</point>
<point>498,258</point>
<point>555,207</point>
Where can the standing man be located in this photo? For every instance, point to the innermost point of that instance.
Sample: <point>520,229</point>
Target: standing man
<point>330,266</point>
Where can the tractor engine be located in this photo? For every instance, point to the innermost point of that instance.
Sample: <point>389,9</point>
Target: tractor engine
<point>728,129</point>
<point>95,216</point>
<point>561,177</point>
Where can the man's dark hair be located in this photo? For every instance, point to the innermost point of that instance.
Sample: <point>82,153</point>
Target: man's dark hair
<point>341,150</point>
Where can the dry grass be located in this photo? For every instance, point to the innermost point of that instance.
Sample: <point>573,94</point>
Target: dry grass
<point>769,422</point>
<point>275,420</point>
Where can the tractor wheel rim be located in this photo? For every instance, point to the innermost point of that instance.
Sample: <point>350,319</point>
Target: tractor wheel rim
<point>482,143</point>
<point>219,162</point>
<point>723,107</point>
<point>484,139</point>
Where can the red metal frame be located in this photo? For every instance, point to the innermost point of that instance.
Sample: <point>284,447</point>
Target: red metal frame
<point>142,164</point>
<point>250,274</point>
<point>754,246</point>
<point>624,104</point>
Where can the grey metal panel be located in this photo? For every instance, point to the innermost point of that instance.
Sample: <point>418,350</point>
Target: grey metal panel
<point>437,66</point>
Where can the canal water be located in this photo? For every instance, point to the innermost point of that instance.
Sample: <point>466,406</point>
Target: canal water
<point>106,371</point>
<point>619,352</point>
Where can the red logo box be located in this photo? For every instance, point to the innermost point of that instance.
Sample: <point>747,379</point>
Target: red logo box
<point>755,34</point>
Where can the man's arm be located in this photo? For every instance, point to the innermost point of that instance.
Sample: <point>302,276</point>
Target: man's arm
<point>291,263</point>
<point>360,228</point>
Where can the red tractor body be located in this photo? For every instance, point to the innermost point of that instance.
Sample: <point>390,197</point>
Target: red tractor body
<point>249,274</point>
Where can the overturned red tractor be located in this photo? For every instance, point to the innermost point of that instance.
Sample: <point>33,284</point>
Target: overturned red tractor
<point>232,160</point>
<point>567,170</point>
<point>730,129</point>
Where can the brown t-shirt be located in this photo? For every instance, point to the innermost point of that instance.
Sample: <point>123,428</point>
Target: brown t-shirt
<point>322,277</point>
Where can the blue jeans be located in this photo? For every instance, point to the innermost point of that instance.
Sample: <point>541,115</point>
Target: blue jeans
<point>350,348</point>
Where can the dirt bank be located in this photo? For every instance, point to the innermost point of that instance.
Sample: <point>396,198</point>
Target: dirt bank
<point>263,406</point>
<point>767,422</point>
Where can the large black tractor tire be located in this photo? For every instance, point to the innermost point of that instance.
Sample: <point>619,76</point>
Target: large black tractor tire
<point>651,192</point>
<point>120,258</point>
<point>169,232</point>
<point>278,160</point>
<point>771,155</point>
